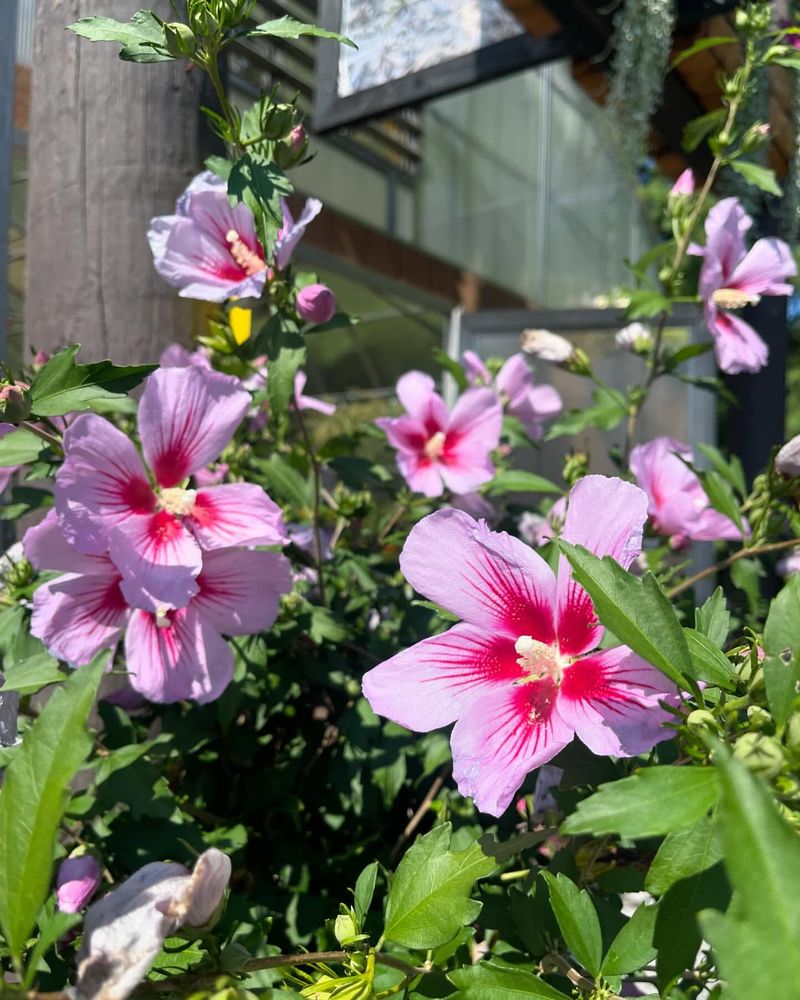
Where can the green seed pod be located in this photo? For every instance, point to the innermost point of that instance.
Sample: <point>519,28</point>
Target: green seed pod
<point>180,40</point>
<point>760,754</point>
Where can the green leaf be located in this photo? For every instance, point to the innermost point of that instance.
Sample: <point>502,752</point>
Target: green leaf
<point>710,663</point>
<point>644,303</point>
<point>652,802</point>
<point>683,854</point>
<point>607,410</point>
<point>729,468</point>
<point>781,679</point>
<point>577,920</point>
<point>35,795</point>
<point>493,982</point>
<point>713,619</point>
<point>698,128</point>
<point>636,611</point>
<point>429,898</point>
<point>20,447</point>
<point>142,38</point>
<point>518,481</point>
<point>701,45</point>
<point>757,944</point>
<point>364,891</point>
<point>260,184</point>
<point>760,177</point>
<point>633,947</point>
<point>31,675</point>
<point>674,358</point>
<point>782,646</point>
<point>288,27</point>
<point>284,481</point>
<point>51,929</point>
<point>452,366</point>
<point>722,498</point>
<point>63,386</point>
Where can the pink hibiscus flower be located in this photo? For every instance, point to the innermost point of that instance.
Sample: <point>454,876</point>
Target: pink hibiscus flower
<point>533,405</point>
<point>106,503</point>
<point>209,248</point>
<point>732,277</point>
<point>437,448</point>
<point>171,654</point>
<point>291,232</point>
<point>678,505</point>
<point>517,676</point>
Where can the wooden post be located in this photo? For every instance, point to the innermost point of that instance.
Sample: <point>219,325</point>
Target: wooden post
<point>111,144</point>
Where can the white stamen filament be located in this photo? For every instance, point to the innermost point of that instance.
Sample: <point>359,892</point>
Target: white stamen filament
<point>734,298</point>
<point>162,618</point>
<point>247,259</point>
<point>177,501</point>
<point>538,659</point>
<point>434,446</point>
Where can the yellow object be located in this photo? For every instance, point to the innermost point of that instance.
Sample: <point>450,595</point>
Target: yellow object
<point>241,321</point>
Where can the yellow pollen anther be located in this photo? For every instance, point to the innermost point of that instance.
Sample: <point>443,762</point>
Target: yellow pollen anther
<point>538,659</point>
<point>434,446</point>
<point>247,259</point>
<point>733,298</point>
<point>177,501</point>
<point>162,619</point>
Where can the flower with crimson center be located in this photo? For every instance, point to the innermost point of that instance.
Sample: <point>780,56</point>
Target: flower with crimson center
<point>106,503</point>
<point>533,405</point>
<point>438,448</point>
<point>518,675</point>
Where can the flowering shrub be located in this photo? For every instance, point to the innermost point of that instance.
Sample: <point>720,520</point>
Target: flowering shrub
<point>238,635</point>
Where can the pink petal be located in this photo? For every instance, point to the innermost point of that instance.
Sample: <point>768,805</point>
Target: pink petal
<point>292,232</point>
<point>501,738</point>
<point>236,514</point>
<point>46,547</point>
<point>466,471</point>
<point>101,483</point>
<point>737,346</point>
<point>186,659</point>
<point>606,516</point>
<point>611,701</point>
<point>76,616</point>
<point>487,578</point>
<point>515,377</point>
<point>186,417</point>
<point>176,356</point>
<point>475,423</point>
<point>726,224</point>
<point>711,526</point>
<point>303,402</point>
<point>240,591</point>
<point>435,681</point>
<point>406,433</point>
<point>421,474</point>
<point>762,270</point>
<point>675,494</point>
<point>159,561</point>
<point>476,371</point>
<point>415,390</point>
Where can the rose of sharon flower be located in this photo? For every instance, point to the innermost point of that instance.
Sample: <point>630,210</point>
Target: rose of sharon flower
<point>678,505</point>
<point>517,675</point>
<point>77,881</point>
<point>171,655</point>
<point>533,405</point>
<point>316,304</point>
<point>684,185</point>
<point>124,931</point>
<point>209,248</point>
<point>437,448</point>
<point>731,277</point>
<point>105,500</point>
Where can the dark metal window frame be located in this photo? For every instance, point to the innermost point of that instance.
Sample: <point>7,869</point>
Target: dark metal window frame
<point>489,63</point>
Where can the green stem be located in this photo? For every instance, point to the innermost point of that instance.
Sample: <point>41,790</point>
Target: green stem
<point>755,550</point>
<point>317,473</point>
<point>211,66</point>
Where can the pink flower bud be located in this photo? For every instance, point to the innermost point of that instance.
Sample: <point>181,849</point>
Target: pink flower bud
<point>78,880</point>
<point>40,359</point>
<point>316,304</point>
<point>15,402</point>
<point>298,138</point>
<point>684,184</point>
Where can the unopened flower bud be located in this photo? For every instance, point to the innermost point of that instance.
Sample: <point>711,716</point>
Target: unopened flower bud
<point>546,345</point>
<point>758,717</point>
<point>576,466</point>
<point>754,137</point>
<point>634,337</point>
<point>793,732</point>
<point>40,359</point>
<point>344,928</point>
<point>760,754</point>
<point>684,185</point>
<point>180,39</point>
<point>278,122</point>
<point>78,880</point>
<point>15,402</point>
<point>578,363</point>
<point>787,461</point>
<point>701,721</point>
<point>316,304</point>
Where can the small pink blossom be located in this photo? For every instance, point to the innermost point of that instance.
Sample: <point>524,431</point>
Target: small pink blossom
<point>209,249</point>
<point>154,534</point>
<point>171,655</point>
<point>788,565</point>
<point>77,881</point>
<point>437,448</point>
<point>303,402</point>
<point>678,505</point>
<point>177,356</point>
<point>291,232</point>
<point>787,460</point>
<point>517,676</point>
<point>316,304</point>
<point>533,405</point>
<point>211,475</point>
<point>538,530</point>
<point>732,277</point>
<point>684,185</point>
